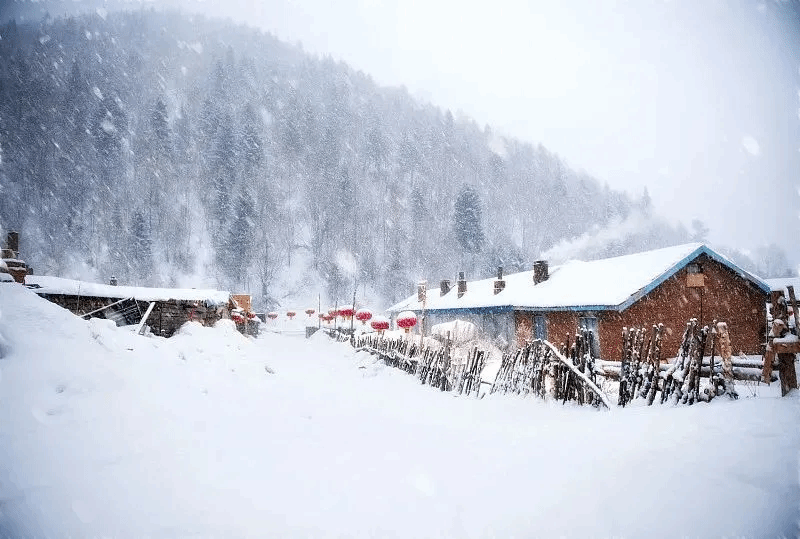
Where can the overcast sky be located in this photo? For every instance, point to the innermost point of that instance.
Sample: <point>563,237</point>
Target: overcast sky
<point>697,100</point>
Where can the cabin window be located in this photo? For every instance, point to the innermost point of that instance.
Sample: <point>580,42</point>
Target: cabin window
<point>539,327</point>
<point>590,323</point>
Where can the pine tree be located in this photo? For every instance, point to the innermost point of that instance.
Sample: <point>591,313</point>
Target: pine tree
<point>467,221</point>
<point>238,248</point>
<point>142,256</point>
<point>223,172</point>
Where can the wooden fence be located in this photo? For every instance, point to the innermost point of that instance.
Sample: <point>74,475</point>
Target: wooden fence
<point>537,368</point>
<point>571,373</point>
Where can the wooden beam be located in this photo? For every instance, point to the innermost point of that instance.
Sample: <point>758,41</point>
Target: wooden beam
<point>781,347</point>
<point>793,301</point>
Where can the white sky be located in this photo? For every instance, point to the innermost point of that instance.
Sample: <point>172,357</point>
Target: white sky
<point>699,100</point>
<point>699,103</point>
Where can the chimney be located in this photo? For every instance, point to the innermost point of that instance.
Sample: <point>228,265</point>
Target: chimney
<point>462,284</point>
<point>499,284</point>
<point>113,281</point>
<point>540,273</point>
<point>12,242</point>
<point>444,287</point>
<point>422,289</point>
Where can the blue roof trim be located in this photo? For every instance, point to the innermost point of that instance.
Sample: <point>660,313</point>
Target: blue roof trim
<point>633,298</point>
<point>761,285</point>
<point>468,310</point>
<point>567,308</point>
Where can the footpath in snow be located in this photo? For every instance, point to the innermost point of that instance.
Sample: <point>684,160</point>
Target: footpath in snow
<point>209,433</point>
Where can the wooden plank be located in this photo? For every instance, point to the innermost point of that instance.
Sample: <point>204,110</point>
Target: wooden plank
<point>140,328</point>
<point>787,372</point>
<point>723,340</point>
<point>796,315</point>
<point>695,280</point>
<point>243,301</point>
<point>780,347</point>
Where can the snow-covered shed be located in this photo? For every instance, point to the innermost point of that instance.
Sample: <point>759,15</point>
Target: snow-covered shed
<point>127,304</point>
<point>669,286</point>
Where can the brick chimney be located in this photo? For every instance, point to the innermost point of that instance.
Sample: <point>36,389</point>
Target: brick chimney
<point>12,243</point>
<point>462,284</point>
<point>16,267</point>
<point>499,284</point>
<point>422,290</point>
<point>540,271</point>
<point>444,287</point>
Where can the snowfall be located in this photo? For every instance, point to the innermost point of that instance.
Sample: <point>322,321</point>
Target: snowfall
<point>104,432</point>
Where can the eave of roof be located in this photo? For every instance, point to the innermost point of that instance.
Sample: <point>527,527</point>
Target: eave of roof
<point>412,304</point>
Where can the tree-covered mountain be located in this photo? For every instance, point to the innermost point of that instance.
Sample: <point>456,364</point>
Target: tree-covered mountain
<point>169,149</point>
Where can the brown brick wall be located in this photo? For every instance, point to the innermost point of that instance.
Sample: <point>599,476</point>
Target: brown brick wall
<point>725,297</point>
<point>559,326</point>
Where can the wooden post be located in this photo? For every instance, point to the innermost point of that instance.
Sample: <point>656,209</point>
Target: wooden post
<point>723,338</point>
<point>796,315</point>
<point>787,373</point>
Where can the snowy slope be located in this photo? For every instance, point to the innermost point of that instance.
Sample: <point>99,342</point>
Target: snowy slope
<point>103,432</point>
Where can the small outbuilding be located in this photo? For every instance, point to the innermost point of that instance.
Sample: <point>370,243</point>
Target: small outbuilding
<point>127,305</point>
<point>669,286</point>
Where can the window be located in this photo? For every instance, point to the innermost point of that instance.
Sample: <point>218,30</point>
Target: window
<point>540,327</point>
<point>590,323</point>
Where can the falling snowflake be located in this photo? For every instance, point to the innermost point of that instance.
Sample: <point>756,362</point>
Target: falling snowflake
<point>97,93</point>
<point>107,126</point>
<point>751,145</point>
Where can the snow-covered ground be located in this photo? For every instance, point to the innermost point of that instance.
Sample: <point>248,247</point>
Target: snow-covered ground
<point>107,433</point>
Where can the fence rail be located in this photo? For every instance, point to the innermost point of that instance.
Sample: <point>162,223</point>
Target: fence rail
<point>571,373</point>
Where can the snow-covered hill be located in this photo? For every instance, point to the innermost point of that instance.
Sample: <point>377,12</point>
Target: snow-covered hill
<point>106,433</point>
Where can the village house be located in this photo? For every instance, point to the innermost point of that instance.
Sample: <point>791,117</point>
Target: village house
<point>126,305</point>
<point>669,286</point>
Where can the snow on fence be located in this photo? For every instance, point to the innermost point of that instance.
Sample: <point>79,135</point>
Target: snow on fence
<point>538,368</point>
<point>571,373</point>
<point>431,362</point>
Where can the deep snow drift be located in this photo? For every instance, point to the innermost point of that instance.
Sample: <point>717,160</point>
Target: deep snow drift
<point>103,432</point>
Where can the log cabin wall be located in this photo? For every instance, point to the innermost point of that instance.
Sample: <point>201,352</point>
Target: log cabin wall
<point>165,319</point>
<point>724,296</point>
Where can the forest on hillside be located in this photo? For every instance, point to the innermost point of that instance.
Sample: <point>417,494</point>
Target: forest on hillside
<point>174,150</point>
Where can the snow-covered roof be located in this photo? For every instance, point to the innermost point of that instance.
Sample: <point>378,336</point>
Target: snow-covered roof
<point>43,284</point>
<point>608,284</point>
<point>781,283</point>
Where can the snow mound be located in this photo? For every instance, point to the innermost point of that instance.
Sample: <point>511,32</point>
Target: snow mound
<point>107,433</point>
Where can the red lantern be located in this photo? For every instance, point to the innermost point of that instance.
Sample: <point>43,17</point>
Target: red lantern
<point>363,315</point>
<point>346,311</point>
<point>309,312</point>
<point>272,316</point>
<point>291,314</point>
<point>406,320</point>
<point>379,324</point>
<point>251,316</point>
<point>237,317</point>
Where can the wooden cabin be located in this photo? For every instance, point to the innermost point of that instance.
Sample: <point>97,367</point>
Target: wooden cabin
<point>669,286</point>
<point>127,305</point>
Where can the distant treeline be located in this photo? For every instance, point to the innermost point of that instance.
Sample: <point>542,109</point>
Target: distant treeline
<point>154,145</point>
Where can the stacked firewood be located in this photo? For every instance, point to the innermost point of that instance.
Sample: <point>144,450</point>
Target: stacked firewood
<point>642,376</point>
<point>538,368</point>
